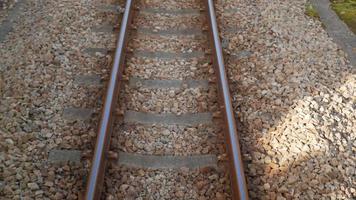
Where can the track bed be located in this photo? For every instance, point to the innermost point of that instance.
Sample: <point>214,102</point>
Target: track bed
<point>172,135</point>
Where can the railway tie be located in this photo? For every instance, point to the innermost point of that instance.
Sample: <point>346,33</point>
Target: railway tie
<point>168,107</point>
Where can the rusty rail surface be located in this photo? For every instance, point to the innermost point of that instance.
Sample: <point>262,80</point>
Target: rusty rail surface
<point>97,171</point>
<point>238,181</point>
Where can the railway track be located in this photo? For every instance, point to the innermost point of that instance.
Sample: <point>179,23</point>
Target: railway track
<point>167,129</point>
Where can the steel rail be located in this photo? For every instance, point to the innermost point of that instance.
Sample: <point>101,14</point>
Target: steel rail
<point>238,181</point>
<point>97,171</point>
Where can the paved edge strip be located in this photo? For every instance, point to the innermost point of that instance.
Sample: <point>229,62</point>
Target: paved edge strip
<point>151,118</point>
<point>81,114</point>
<point>7,25</point>
<point>168,55</point>
<point>164,84</point>
<point>171,12</point>
<point>336,28</point>
<point>167,162</point>
<point>57,156</point>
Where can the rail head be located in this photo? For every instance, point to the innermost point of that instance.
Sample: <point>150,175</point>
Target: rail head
<point>97,172</point>
<point>96,175</point>
<point>238,181</point>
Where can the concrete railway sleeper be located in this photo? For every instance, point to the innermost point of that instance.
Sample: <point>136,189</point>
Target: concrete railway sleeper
<point>177,138</point>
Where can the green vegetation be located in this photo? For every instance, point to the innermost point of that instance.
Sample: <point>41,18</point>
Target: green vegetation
<point>346,9</point>
<point>310,11</point>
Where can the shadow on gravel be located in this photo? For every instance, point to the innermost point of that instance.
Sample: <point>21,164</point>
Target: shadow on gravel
<point>295,101</point>
<point>297,129</point>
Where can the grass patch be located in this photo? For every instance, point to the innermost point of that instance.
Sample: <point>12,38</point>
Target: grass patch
<point>346,9</point>
<point>310,11</point>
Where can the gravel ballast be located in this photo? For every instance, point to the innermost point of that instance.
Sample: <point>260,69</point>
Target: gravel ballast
<point>39,63</point>
<point>292,87</point>
<point>295,99</point>
<point>167,128</point>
